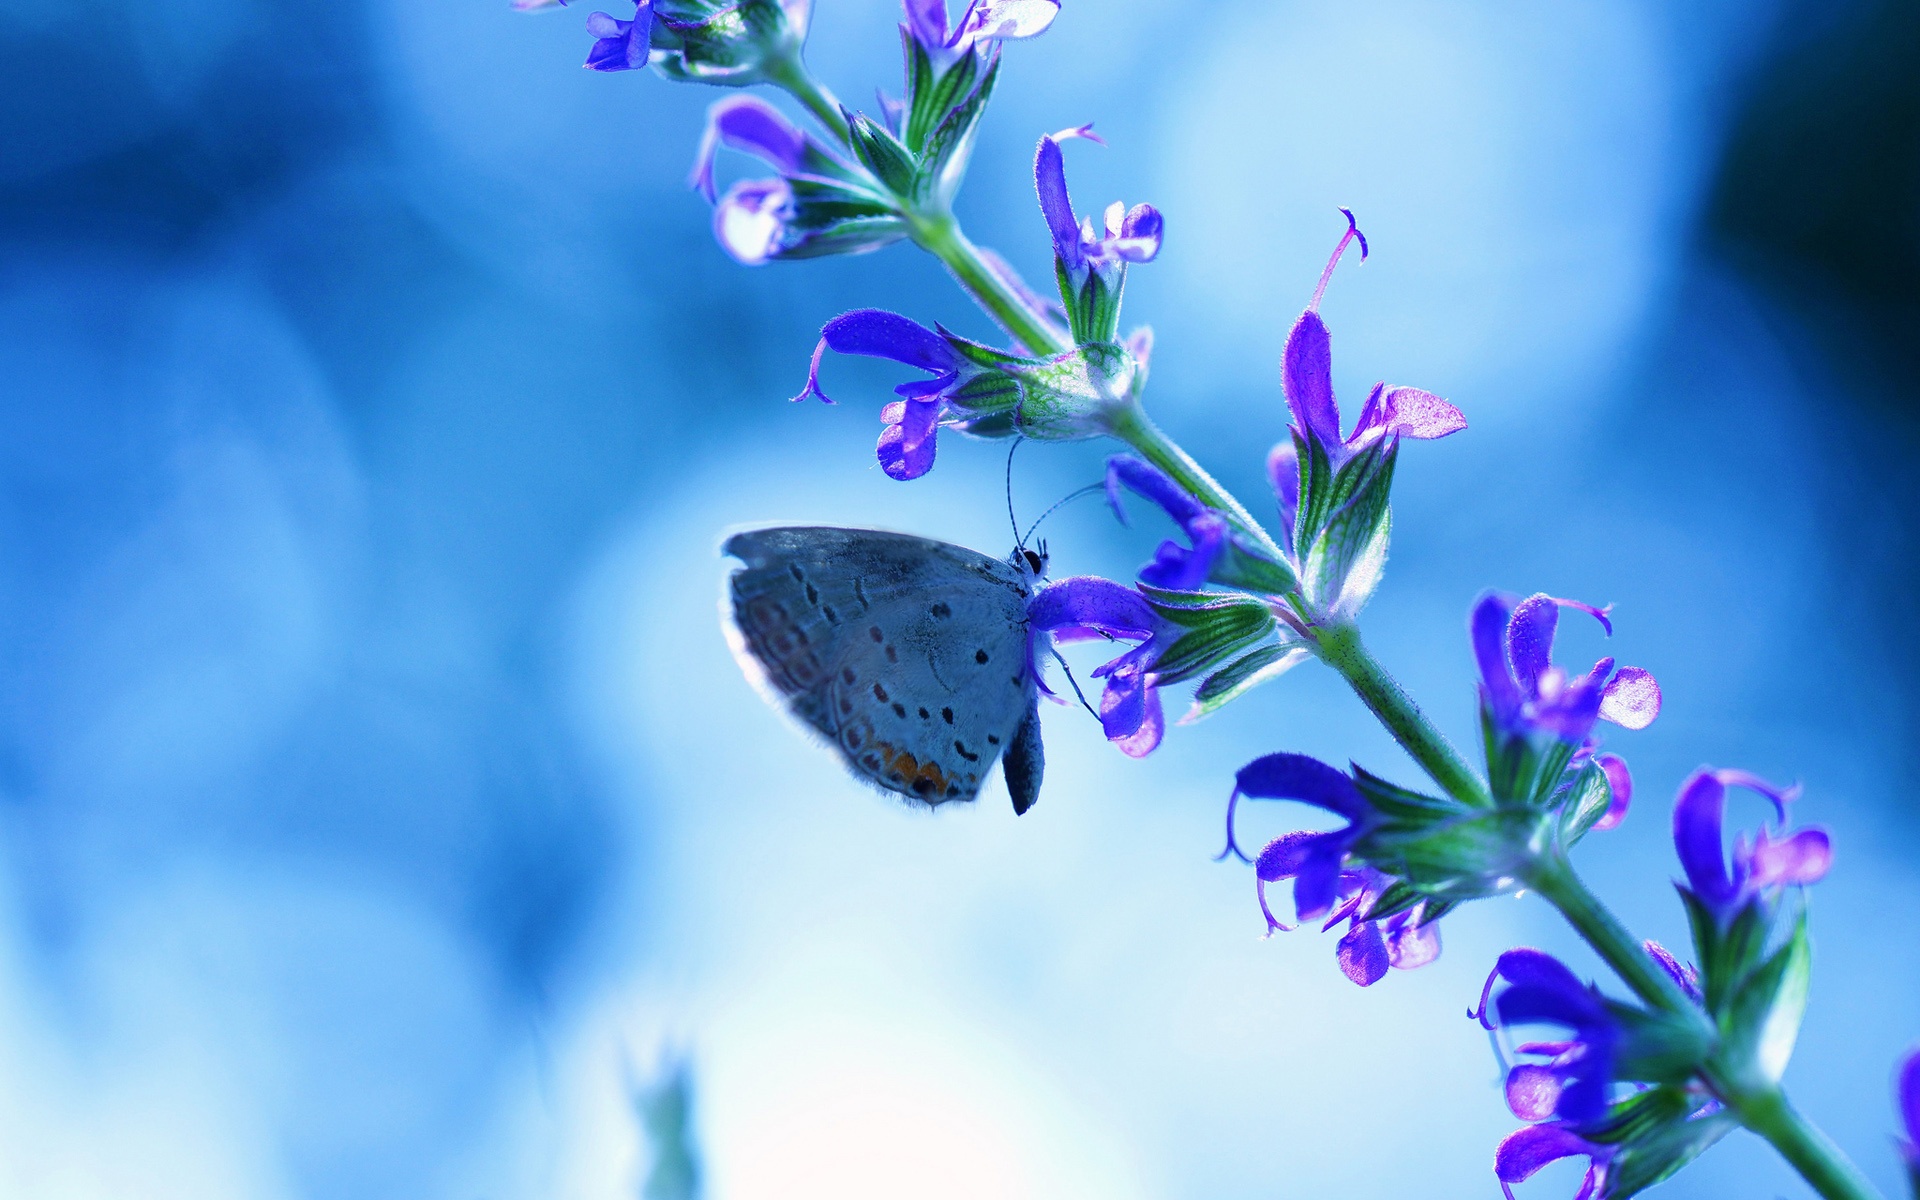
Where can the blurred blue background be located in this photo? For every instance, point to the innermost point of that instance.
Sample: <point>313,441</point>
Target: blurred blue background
<point>378,802</point>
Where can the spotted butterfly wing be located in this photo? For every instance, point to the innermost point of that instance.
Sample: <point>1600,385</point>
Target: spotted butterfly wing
<point>909,656</point>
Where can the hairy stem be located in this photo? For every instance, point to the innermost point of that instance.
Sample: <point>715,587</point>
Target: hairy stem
<point>940,235</point>
<point>791,76</point>
<point>1341,649</point>
<point>1812,1153</point>
<point>1553,877</point>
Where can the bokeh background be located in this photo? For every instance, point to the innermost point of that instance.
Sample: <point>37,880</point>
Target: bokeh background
<point>380,810</point>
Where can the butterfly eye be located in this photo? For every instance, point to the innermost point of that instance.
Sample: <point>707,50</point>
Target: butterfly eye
<point>1035,562</point>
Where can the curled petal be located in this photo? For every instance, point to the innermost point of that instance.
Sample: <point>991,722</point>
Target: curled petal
<point>1145,479</point>
<point>1362,953</point>
<point>620,45</point>
<point>1307,376</point>
<point>754,126</point>
<point>1630,699</point>
<point>1410,412</point>
<point>750,221</point>
<point>1004,20</point>
<point>1533,1091</point>
<point>1619,785</point>
<point>906,446</point>
<point>1180,569</point>
<point>1525,1151</point>
<point>1079,131</point>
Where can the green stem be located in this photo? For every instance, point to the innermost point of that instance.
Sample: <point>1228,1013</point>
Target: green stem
<point>940,235</point>
<point>1553,877</point>
<point>792,76</point>
<point>1341,649</point>
<point>1812,1153</point>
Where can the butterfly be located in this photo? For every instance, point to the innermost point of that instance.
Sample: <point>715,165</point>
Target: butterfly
<point>908,655</point>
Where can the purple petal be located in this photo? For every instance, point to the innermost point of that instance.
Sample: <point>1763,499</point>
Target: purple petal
<point>1620,784</point>
<point>1410,412</point>
<point>1145,479</point>
<point>1525,1151</point>
<point>1530,639</point>
<point>1050,181</point>
<point>927,21</point>
<point>622,45</point>
<point>1303,778</point>
<point>1908,1089</point>
<point>1411,944</point>
<point>1697,816</point>
<point>750,124</point>
<point>1145,739</point>
<point>1285,855</point>
<point>1528,1003</point>
<point>1803,858</point>
<point>1087,601</point>
<point>877,333</point>
<point>1533,1091</point>
<point>1079,131</point>
<point>1525,965</point>
<point>1630,699</point>
<point>1489,627</point>
<point>1780,797</point>
<point>906,446</point>
<point>1140,234</point>
<point>1307,375</point>
<point>751,219</point>
<point>1283,472</point>
<point>1317,885</point>
<point>1362,953</point>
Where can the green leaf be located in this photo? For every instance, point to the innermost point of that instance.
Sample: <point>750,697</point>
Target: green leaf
<point>1241,676</point>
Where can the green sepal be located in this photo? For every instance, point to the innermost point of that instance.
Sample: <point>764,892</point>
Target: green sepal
<point>1251,571</point>
<point>1523,770</point>
<point>1093,308</point>
<point>724,45</point>
<point>1762,1022</point>
<point>881,153</point>
<point>1639,1115</point>
<point>943,161</point>
<point>1464,857</point>
<point>1216,631</point>
<point>1074,395</point>
<point>1316,487</point>
<point>1396,803</point>
<point>1398,898</point>
<point>1657,1156</point>
<point>1656,1047</point>
<point>1241,676</point>
<point>1587,797</point>
<point>1343,565</point>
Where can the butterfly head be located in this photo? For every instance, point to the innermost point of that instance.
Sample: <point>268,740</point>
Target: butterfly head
<point>1030,561</point>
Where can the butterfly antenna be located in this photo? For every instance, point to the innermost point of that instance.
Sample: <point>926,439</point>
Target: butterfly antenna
<point>1075,682</point>
<point>1088,490</point>
<point>1019,542</point>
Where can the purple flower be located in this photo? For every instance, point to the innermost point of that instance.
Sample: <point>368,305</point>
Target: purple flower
<point>960,387</point>
<point>1766,864</point>
<point>1091,260</point>
<point>1573,1081</point>
<point>756,220</point>
<point>1174,566</point>
<point>1087,607</point>
<point>1307,374</point>
<point>1907,1088</point>
<point>984,21</point>
<point>1524,692</point>
<point>1525,1151</point>
<point>621,45</point>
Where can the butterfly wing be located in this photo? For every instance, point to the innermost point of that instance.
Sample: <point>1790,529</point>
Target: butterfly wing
<point>908,655</point>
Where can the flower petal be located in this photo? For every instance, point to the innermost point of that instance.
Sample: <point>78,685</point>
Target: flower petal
<point>750,124</point>
<point>1619,783</point>
<point>751,219</point>
<point>1525,1151</point>
<point>1317,886</point>
<point>906,447</point>
<point>1050,181</point>
<point>1698,813</point>
<point>1533,1091</point>
<point>877,333</point>
<point>1285,855</point>
<point>621,45</point>
<point>1004,20</point>
<point>1145,479</point>
<point>1146,736</point>
<point>1140,234</point>
<point>1089,602</point>
<point>1411,943</point>
<point>1908,1090</point>
<point>1530,639</point>
<point>1631,699</point>
<point>1307,376</point>
<point>927,21</point>
<point>1362,953</point>
<point>1410,412</point>
<point>1304,778</point>
<point>1283,472</point>
<point>1489,628</point>
<point>1803,858</point>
